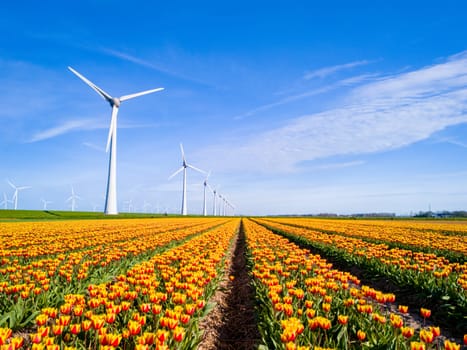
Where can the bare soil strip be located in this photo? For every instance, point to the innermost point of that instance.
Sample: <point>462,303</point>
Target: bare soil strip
<point>232,323</point>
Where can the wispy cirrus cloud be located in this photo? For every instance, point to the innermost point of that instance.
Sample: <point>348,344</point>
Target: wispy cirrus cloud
<point>378,116</point>
<point>327,71</point>
<point>358,79</point>
<point>66,127</point>
<point>340,165</point>
<point>151,65</point>
<point>82,125</point>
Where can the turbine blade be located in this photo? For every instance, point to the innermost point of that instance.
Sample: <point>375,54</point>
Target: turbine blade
<point>9,182</point>
<point>209,187</point>
<point>195,168</point>
<point>93,86</point>
<point>24,188</point>
<point>113,122</point>
<point>128,97</point>
<point>175,173</point>
<point>183,153</point>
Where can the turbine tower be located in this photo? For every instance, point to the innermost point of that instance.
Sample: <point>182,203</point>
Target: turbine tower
<point>214,208</point>
<point>73,199</point>
<point>205,183</point>
<point>44,202</point>
<point>111,193</point>
<point>15,195</point>
<point>183,168</point>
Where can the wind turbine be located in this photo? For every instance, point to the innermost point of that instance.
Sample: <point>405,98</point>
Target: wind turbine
<point>130,205</point>
<point>214,207</point>
<point>220,204</point>
<point>111,194</point>
<point>146,206</point>
<point>205,183</point>
<point>183,168</point>
<point>14,199</point>
<point>44,202</point>
<point>5,201</point>
<point>73,199</point>
<point>231,206</point>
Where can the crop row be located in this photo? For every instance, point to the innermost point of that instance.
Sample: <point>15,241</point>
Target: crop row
<point>155,303</point>
<point>408,234</point>
<point>34,239</point>
<point>306,304</point>
<point>28,284</point>
<point>434,277</point>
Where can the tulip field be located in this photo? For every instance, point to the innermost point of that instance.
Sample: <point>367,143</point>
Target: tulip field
<point>151,283</point>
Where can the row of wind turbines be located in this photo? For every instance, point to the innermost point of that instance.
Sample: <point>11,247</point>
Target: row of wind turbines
<point>14,199</point>
<point>111,191</point>
<point>224,204</point>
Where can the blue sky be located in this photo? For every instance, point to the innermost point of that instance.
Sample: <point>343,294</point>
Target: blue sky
<point>296,107</point>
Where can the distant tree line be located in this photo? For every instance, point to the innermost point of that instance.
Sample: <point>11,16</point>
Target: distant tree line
<point>442,214</point>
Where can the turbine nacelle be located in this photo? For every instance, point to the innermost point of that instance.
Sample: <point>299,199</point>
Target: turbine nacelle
<point>115,101</point>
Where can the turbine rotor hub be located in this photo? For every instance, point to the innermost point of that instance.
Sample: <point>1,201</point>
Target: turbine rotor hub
<point>115,102</point>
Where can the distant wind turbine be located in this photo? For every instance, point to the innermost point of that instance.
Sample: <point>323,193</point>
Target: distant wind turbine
<point>214,207</point>
<point>183,168</point>
<point>44,202</point>
<point>220,204</point>
<point>5,201</point>
<point>205,183</point>
<point>111,194</point>
<point>73,199</point>
<point>146,206</point>
<point>15,195</point>
<point>130,205</point>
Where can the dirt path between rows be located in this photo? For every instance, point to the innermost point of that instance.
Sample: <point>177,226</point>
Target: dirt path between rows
<point>232,324</point>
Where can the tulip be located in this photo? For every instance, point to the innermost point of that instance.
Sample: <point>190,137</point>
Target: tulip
<point>407,332</point>
<point>86,324</point>
<point>36,338</point>
<point>417,346</point>
<point>343,319</point>
<point>425,312</point>
<point>435,331</point>
<point>426,336</point>
<point>403,309</point>
<point>75,328</point>
<point>448,345</point>
<point>134,327</point>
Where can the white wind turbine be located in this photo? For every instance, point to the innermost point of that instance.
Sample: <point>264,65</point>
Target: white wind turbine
<point>15,195</point>
<point>111,194</point>
<point>214,208</point>
<point>73,199</point>
<point>205,183</point>
<point>146,206</point>
<point>5,201</point>
<point>183,168</point>
<point>220,204</point>
<point>44,202</point>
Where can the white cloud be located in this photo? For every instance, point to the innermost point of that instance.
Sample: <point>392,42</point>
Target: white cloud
<point>151,65</point>
<point>66,127</point>
<point>379,116</point>
<point>339,165</point>
<point>318,91</point>
<point>326,71</point>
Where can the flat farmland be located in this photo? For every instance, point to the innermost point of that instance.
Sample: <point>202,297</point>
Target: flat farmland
<point>233,283</point>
